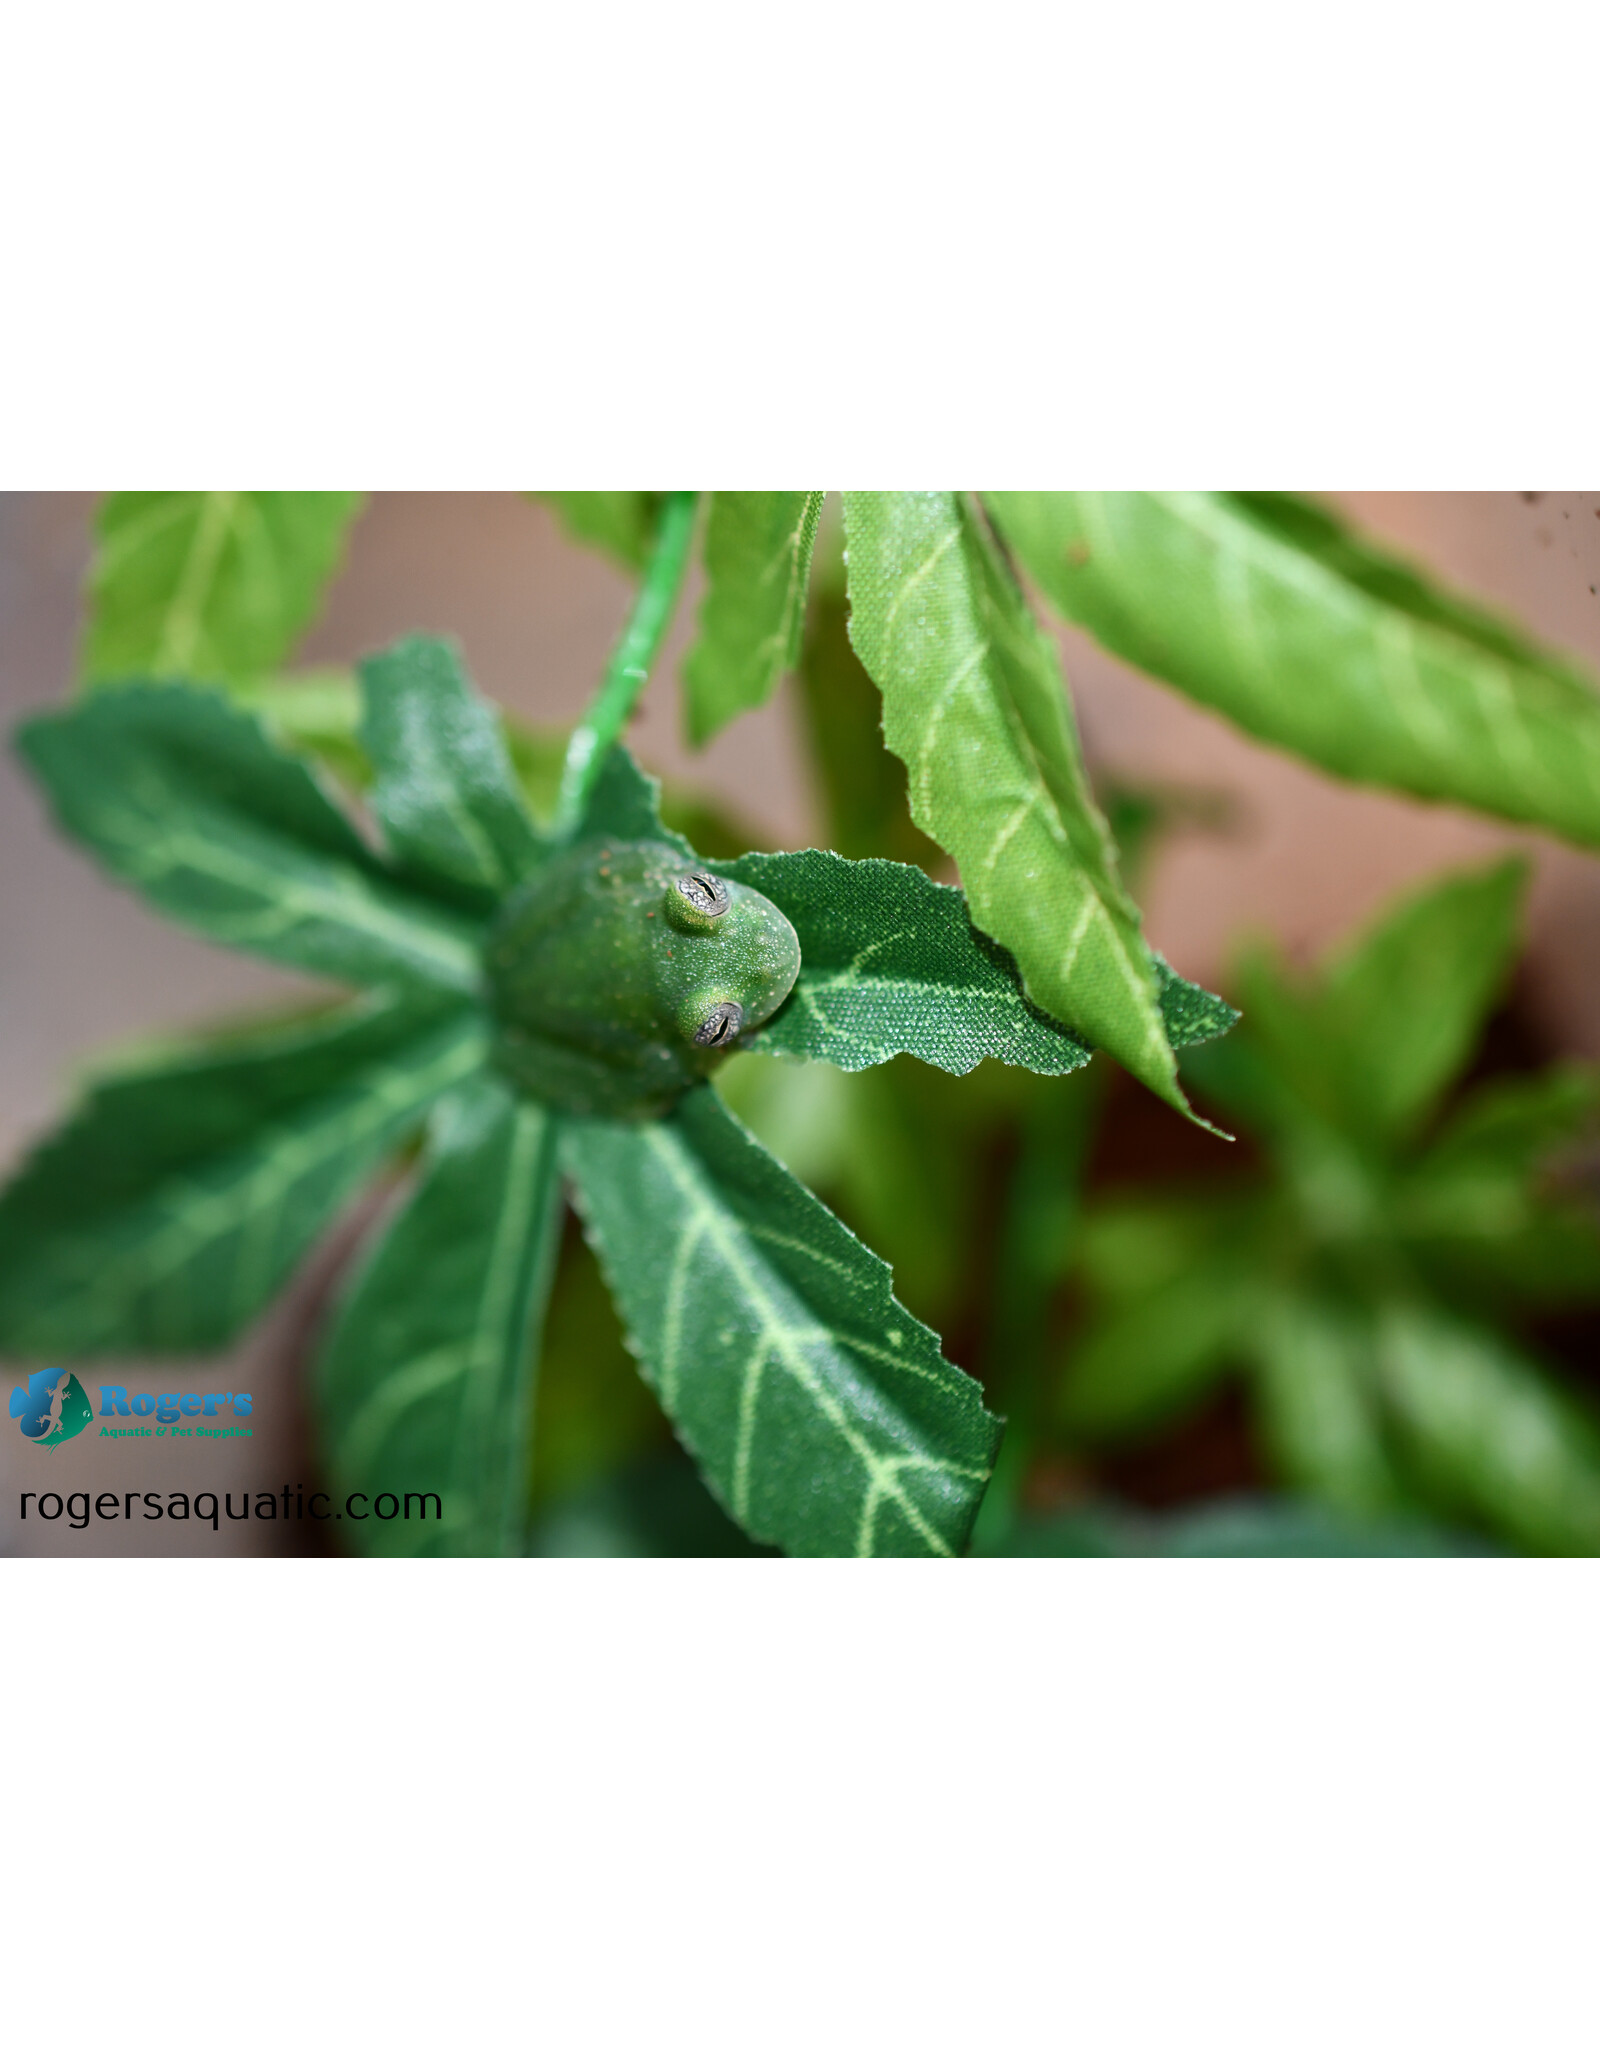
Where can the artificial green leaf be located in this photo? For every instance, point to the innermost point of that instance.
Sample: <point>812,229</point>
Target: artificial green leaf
<point>758,558</point>
<point>861,784</point>
<point>821,1414</point>
<point>1316,531</point>
<point>891,963</point>
<point>1320,646</point>
<point>1190,1014</point>
<point>214,585</point>
<point>426,1381</point>
<point>188,1186</point>
<point>1486,1430</point>
<point>1319,1408</point>
<point>445,792</point>
<point>181,793</point>
<point>976,707</point>
<point>626,804</point>
<point>1158,1353</point>
<point>620,524</point>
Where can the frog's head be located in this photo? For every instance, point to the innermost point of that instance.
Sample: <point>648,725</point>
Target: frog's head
<point>621,974</point>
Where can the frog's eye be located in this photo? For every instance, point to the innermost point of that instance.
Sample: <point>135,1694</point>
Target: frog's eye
<point>695,900</point>
<point>720,1026</point>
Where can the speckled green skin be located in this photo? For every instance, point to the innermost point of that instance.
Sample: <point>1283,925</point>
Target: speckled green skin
<point>600,975</point>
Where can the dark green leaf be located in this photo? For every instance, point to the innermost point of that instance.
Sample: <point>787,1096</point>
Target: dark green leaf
<point>976,706</point>
<point>445,792</point>
<point>620,524</point>
<point>1486,1430</point>
<point>891,963</point>
<point>626,804</point>
<point>182,794</point>
<point>821,1414</point>
<point>178,1199</point>
<point>426,1381</point>
<point>215,585</point>
<point>1313,642</point>
<point>758,558</point>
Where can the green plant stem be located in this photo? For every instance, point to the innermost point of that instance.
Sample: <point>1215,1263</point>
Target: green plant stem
<point>629,666</point>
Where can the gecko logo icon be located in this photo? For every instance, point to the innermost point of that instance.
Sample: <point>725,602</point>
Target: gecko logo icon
<point>52,1408</point>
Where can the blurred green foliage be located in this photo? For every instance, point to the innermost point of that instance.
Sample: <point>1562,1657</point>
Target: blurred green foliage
<point>1368,1282</point>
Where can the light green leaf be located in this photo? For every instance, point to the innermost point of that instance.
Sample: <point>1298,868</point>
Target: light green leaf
<point>620,524</point>
<point>213,585</point>
<point>976,707</point>
<point>1487,1430</point>
<point>1310,640</point>
<point>425,1384</point>
<point>862,785</point>
<point>821,1414</point>
<point>182,794</point>
<point>891,963</point>
<point>1319,1408</point>
<point>175,1203</point>
<point>758,558</point>
<point>445,792</point>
